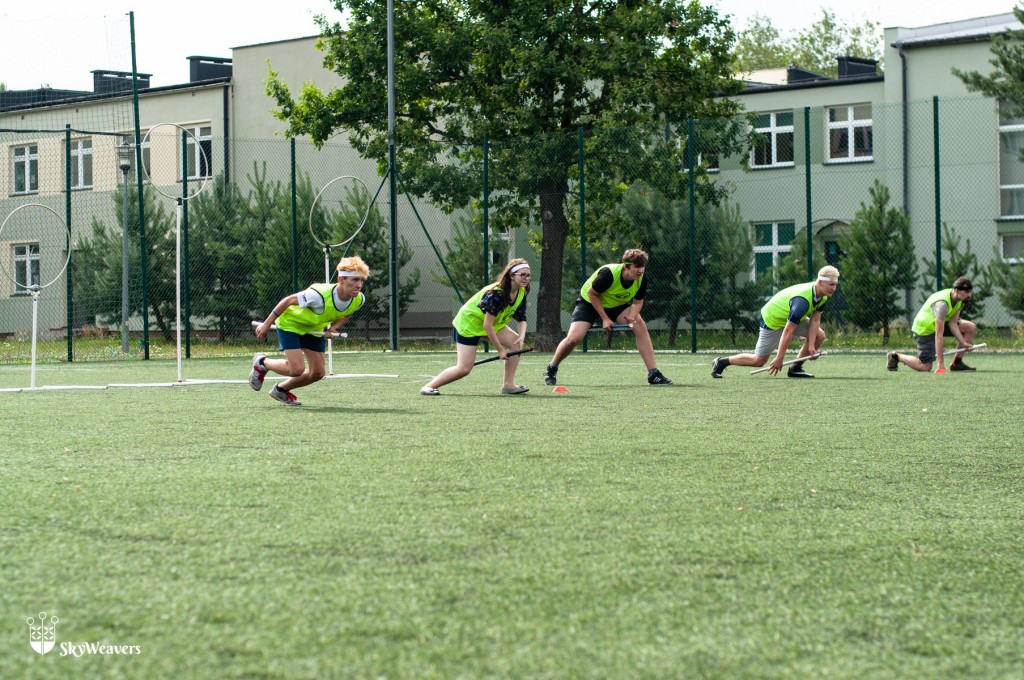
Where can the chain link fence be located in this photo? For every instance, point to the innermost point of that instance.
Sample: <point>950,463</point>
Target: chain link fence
<point>730,212</point>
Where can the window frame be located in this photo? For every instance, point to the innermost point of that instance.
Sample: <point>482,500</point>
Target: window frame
<point>851,125</point>
<point>203,134</point>
<point>24,263</point>
<point>29,169</point>
<point>775,248</point>
<point>1002,249</point>
<point>81,163</point>
<point>773,131</point>
<point>1017,126</point>
<point>146,155</point>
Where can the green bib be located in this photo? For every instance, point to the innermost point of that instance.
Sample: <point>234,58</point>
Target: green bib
<point>776,312</point>
<point>616,295</point>
<point>303,320</point>
<point>924,322</point>
<point>469,322</point>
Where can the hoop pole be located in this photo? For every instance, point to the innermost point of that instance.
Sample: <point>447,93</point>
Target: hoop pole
<point>327,278</point>
<point>177,281</point>
<point>35,329</point>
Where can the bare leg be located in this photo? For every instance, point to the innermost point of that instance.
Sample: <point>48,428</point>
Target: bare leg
<point>643,341</point>
<point>510,339</point>
<point>465,356</point>
<point>313,371</point>
<point>577,331</point>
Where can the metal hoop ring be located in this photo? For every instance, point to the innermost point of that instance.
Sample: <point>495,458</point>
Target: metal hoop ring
<point>67,257</point>
<point>312,209</point>
<point>199,147</point>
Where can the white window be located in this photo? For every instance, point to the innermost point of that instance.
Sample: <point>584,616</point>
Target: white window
<point>81,163</point>
<point>1011,168</point>
<point>26,266</point>
<point>772,241</point>
<point>849,133</point>
<point>25,169</point>
<point>774,148</point>
<point>1011,247</point>
<point>199,164</point>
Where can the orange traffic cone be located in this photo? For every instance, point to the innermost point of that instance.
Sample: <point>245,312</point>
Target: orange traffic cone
<point>560,390</point>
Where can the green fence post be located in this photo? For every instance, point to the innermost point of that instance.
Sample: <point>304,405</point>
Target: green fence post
<point>184,241</point>
<point>67,221</point>
<point>583,213</point>
<point>487,223</point>
<point>690,157</point>
<point>807,189</point>
<point>295,229</point>
<point>142,201</point>
<point>938,197</point>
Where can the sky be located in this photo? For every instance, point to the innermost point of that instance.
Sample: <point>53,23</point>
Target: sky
<point>58,42</point>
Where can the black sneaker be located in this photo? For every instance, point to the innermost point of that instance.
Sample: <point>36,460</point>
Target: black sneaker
<point>892,361</point>
<point>961,366</point>
<point>797,371</point>
<point>717,366</point>
<point>551,376</point>
<point>654,377</point>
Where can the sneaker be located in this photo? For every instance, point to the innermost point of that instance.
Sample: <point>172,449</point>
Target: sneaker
<point>961,366</point>
<point>428,391</point>
<point>518,389</point>
<point>284,396</point>
<point>551,376</point>
<point>654,377</point>
<point>258,372</point>
<point>717,366</point>
<point>892,361</point>
<point>797,371</point>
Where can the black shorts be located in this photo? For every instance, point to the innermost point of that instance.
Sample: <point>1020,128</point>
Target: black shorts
<point>584,311</point>
<point>926,344</point>
<point>472,341</point>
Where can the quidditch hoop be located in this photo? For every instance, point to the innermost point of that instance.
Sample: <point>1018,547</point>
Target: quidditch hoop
<point>199,149</point>
<point>64,228</point>
<point>312,212</point>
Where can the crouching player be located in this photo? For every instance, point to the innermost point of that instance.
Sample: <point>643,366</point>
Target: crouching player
<point>304,320</point>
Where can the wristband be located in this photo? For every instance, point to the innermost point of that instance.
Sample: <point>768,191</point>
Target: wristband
<point>275,313</point>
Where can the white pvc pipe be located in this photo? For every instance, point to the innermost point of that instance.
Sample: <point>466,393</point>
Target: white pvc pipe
<point>35,329</point>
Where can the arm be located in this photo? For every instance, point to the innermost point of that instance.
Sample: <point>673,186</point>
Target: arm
<point>333,328</point>
<point>633,312</point>
<point>492,337</point>
<point>285,303</point>
<point>954,325</point>
<point>595,301</point>
<point>787,337</point>
<point>939,309</point>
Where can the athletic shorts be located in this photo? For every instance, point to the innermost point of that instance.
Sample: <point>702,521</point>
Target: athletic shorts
<point>926,344</point>
<point>292,340</point>
<point>768,340</point>
<point>584,311</point>
<point>473,341</point>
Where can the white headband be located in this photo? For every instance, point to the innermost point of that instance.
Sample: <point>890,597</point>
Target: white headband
<point>518,267</point>
<point>347,274</point>
<point>829,279</point>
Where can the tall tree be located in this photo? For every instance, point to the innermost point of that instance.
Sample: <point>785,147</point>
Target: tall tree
<point>880,267</point>
<point>527,74</point>
<point>814,48</point>
<point>1006,82</point>
<point>1009,279</point>
<point>958,260</point>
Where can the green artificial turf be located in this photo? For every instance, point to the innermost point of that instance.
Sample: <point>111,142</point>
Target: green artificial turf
<point>864,524</point>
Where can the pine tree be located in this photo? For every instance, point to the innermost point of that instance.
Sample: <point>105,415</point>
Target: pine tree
<point>957,263</point>
<point>880,266</point>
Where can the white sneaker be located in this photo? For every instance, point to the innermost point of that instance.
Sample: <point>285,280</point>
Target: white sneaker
<point>258,372</point>
<point>428,391</point>
<point>284,396</point>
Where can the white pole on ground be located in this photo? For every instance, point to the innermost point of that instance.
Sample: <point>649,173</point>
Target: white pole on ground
<point>35,331</point>
<point>958,350</point>
<point>327,278</point>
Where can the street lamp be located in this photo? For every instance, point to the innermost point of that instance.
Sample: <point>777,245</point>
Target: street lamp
<point>125,151</point>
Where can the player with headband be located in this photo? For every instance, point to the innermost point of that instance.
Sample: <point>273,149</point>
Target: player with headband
<point>301,322</point>
<point>486,316</point>
<point>792,312</point>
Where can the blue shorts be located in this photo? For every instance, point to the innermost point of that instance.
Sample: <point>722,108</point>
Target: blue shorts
<point>463,340</point>
<point>292,340</point>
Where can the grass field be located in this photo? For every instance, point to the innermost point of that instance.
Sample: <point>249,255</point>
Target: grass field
<point>864,524</point>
